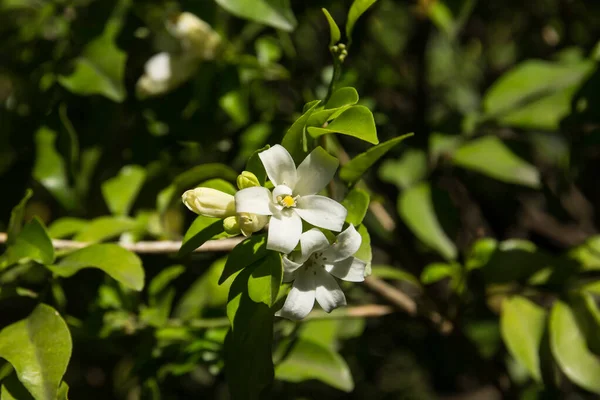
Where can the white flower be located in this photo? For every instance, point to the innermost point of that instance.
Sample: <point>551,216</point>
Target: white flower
<point>164,72</point>
<point>294,197</point>
<point>209,202</point>
<point>312,268</point>
<point>196,35</point>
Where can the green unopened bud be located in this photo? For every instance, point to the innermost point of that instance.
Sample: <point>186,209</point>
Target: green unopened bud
<point>250,223</point>
<point>231,225</point>
<point>247,179</point>
<point>342,46</point>
<point>209,202</point>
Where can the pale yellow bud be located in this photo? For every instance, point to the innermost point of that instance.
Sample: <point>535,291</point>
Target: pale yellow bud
<point>209,202</point>
<point>250,223</point>
<point>231,225</point>
<point>196,35</point>
<point>247,179</point>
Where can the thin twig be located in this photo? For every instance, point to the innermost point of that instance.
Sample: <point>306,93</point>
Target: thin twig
<point>392,294</point>
<point>147,247</point>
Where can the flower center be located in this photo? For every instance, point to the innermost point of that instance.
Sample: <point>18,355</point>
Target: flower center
<point>286,201</point>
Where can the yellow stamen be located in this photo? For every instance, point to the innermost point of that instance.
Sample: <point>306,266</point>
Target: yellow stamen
<point>288,201</point>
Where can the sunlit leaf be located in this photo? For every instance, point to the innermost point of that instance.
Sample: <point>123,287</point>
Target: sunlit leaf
<point>353,170</point>
<point>275,13</point>
<point>309,360</point>
<point>334,30</point>
<point>294,139</point>
<point>15,224</point>
<point>356,121</point>
<point>121,264</point>
<point>264,282</point>
<point>408,170</point>
<point>32,244</point>
<point>435,272</point>
<point>244,254</point>
<point>256,166</point>
<point>569,348</point>
<point>389,272</point>
<point>522,324</point>
<point>365,252</point>
<point>357,204</point>
<point>415,206</point>
<point>39,348</point>
<point>202,229</point>
<point>120,192</point>
<point>50,169</point>
<point>357,9</point>
<point>489,156</point>
<point>66,226</point>
<point>346,96</point>
<point>588,253</point>
<point>103,228</point>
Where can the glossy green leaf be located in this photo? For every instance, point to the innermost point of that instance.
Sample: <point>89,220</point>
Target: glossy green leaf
<point>522,324</point>
<point>17,214</point>
<point>265,280</point>
<point>39,349</point>
<point>357,204</point>
<point>256,166</point>
<point>202,229</point>
<point>119,263</point>
<point>535,94</point>
<point>275,13</point>
<point>50,169</point>
<point>248,360</point>
<point>415,206</point>
<point>103,228</point>
<point>334,30</point>
<point>13,389</point>
<point>357,9</point>
<point>309,360</point>
<point>120,192</point>
<point>32,244</point>
<point>389,272</point>
<point>346,96</point>
<point>244,254</point>
<point>353,170</point>
<point>100,69</point>
<point>408,170</point>
<point>588,254</point>
<point>294,139</point>
<point>435,272</point>
<point>356,121</point>
<point>569,348</point>
<point>489,156</point>
<point>66,226</point>
<point>364,252</point>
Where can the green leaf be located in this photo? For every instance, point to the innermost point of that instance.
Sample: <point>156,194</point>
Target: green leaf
<point>103,228</point>
<point>435,272</point>
<point>522,324</point>
<point>309,360</point>
<point>353,170</point>
<point>265,280</point>
<point>100,69</point>
<point>357,204</point>
<point>389,272</point>
<point>244,254</point>
<point>66,226</point>
<point>15,224</point>
<point>32,244</point>
<point>356,121</point>
<point>256,166</point>
<point>202,229</point>
<point>13,389</point>
<point>120,192</point>
<point>346,96</point>
<point>39,349</point>
<point>119,263</point>
<point>248,360</point>
<point>275,13</point>
<point>219,184</point>
<point>410,169</point>
<point>294,140</point>
<point>569,348</point>
<point>365,252</point>
<point>50,169</point>
<point>588,254</point>
<point>357,9</point>
<point>161,282</point>
<point>334,31</point>
<point>415,206</point>
<point>489,156</point>
<point>535,94</point>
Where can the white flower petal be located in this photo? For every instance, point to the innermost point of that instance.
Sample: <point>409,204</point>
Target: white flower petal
<point>301,298</point>
<point>322,212</point>
<point>351,269</point>
<point>345,245</point>
<point>311,241</point>
<point>285,229</point>
<point>279,165</point>
<point>255,200</point>
<point>290,266</point>
<point>158,67</point>
<point>315,172</point>
<point>328,292</point>
<point>281,190</point>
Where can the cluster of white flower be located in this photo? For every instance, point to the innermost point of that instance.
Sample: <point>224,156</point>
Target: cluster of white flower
<point>294,198</point>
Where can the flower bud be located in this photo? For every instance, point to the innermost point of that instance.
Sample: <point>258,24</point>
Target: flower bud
<point>250,223</point>
<point>231,225</point>
<point>164,72</point>
<point>209,202</point>
<point>247,179</point>
<point>196,35</point>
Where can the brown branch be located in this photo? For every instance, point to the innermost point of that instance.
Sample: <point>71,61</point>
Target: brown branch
<point>147,247</point>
